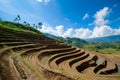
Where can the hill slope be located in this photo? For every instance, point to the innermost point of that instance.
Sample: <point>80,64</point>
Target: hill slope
<point>18,27</point>
<point>29,56</point>
<point>115,38</point>
<point>72,41</point>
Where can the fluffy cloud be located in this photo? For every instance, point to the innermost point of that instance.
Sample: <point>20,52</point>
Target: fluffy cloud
<point>100,28</point>
<point>100,17</point>
<point>82,33</point>
<point>104,31</point>
<point>70,32</point>
<point>46,1</point>
<point>58,30</point>
<point>85,16</point>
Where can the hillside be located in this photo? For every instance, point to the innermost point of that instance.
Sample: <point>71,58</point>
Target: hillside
<point>18,27</point>
<point>26,55</point>
<point>72,41</point>
<point>102,47</point>
<point>114,38</point>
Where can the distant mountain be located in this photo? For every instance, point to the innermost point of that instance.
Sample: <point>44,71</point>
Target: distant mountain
<point>72,41</point>
<point>52,36</point>
<point>76,42</point>
<point>114,38</point>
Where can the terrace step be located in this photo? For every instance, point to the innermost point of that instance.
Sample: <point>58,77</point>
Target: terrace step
<point>48,51</point>
<point>53,58</point>
<point>100,66</point>
<point>110,68</point>
<point>83,59</point>
<point>14,43</point>
<point>62,54</point>
<point>5,51</point>
<point>62,59</point>
<point>12,40</point>
<point>19,68</point>
<point>86,64</point>
<point>72,62</point>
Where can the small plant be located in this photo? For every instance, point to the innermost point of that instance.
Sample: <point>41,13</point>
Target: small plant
<point>62,69</point>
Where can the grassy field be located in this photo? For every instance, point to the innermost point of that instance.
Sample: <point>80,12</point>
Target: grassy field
<point>104,48</point>
<point>109,51</point>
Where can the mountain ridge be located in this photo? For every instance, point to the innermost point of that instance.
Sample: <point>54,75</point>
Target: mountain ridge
<point>112,38</point>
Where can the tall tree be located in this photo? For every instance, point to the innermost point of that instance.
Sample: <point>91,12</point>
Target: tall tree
<point>25,22</point>
<point>40,24</point>
<point>34,25</point>
<point>28,24</point>
<point>18,17</point>
<point>15,19</point>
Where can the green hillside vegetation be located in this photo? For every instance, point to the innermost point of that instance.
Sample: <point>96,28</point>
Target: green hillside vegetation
<point>18,27</point>
<point>102,47</point>
<point>72,41</point>
<point>76,42</point>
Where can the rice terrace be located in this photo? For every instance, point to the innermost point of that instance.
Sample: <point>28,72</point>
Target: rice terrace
<point>59,39</point>
<point>25,55</point>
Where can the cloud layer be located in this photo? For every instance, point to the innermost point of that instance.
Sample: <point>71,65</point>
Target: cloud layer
<point>100,29</point>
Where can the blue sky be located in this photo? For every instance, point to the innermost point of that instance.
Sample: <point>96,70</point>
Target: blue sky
<point>67,18</point>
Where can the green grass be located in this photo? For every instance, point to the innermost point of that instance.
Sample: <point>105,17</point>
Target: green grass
<point>109,51</point>
<point>18,27</point>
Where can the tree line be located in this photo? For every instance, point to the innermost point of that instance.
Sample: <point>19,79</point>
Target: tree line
<point>37,26</point>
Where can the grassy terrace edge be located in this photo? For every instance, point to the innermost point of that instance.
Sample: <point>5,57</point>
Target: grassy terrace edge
<point>19,28</point>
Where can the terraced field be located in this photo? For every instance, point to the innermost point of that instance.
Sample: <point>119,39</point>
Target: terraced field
<point>25,56</point>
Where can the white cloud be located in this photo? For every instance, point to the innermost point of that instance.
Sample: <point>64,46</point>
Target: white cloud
<point>58,30</point>
<point>45,1</point>
<point>82,33</point>
<point>101,28</point>
<point>104,31</point>
<point>85,16</point>
<point>100,17</point>
<point>68,33</point>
